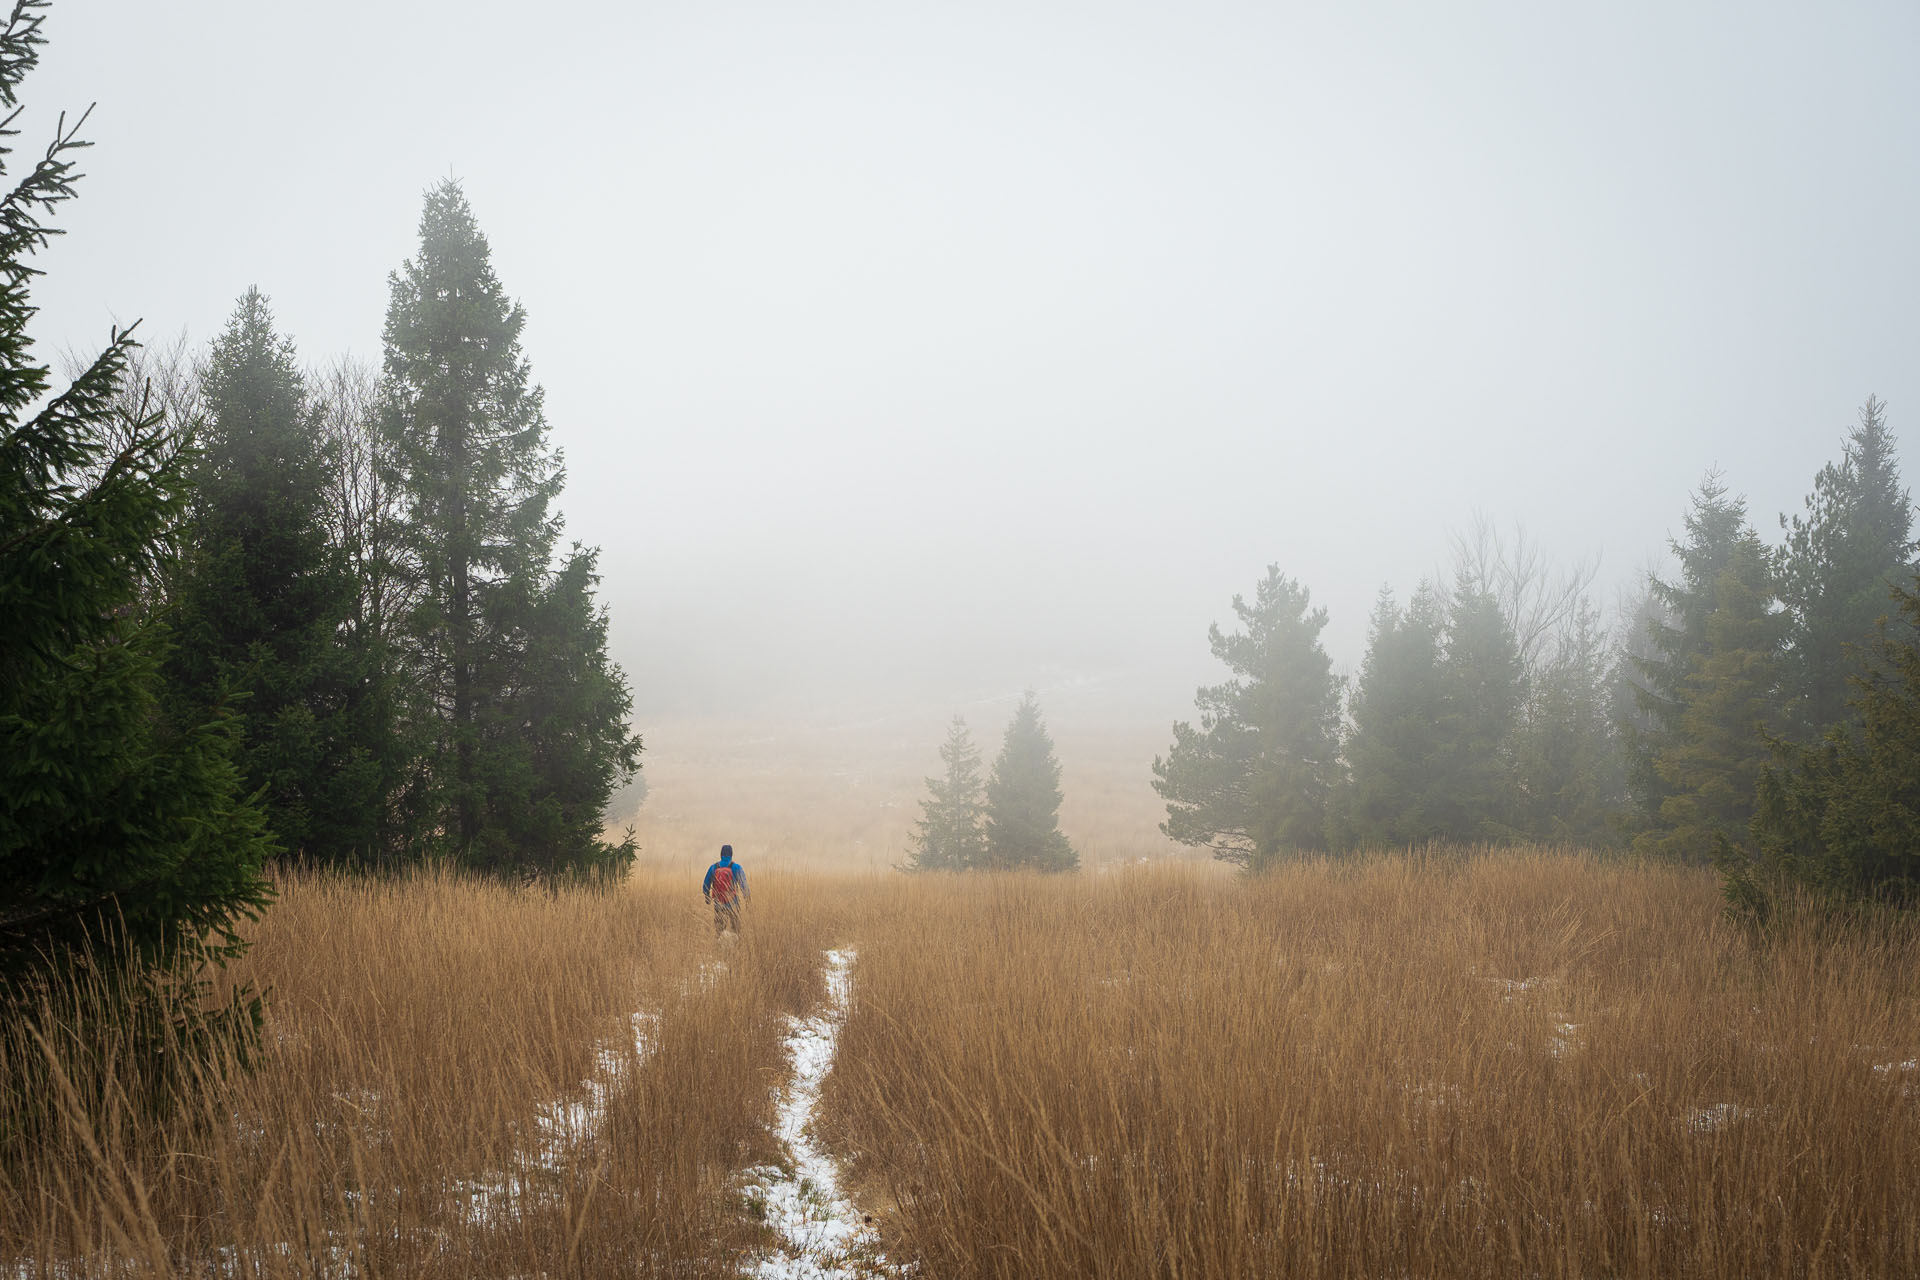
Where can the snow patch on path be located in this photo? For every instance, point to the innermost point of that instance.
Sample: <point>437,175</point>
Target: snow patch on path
<point>823,1236</point>
<point>569,1122</point>
<point>561,1127</point>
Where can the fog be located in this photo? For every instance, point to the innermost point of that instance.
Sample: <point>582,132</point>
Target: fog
<point>930,350</point>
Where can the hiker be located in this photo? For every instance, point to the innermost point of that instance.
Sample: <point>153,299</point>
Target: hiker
<point>726,888</point>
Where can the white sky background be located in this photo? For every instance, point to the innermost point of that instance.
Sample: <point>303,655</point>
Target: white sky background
<point>958,346</point>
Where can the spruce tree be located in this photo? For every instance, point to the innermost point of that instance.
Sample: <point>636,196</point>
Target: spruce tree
<point>522,716</point>
<point>1255,778</point>
<point>552,736</point>
<point>263,600</point>
<point>1570,768</point>
<point>950,835</point>
<point>1728,702</point>
<point>1023,799</point>
<point>118,825</point>
<point>1716,526</point>
<point>1393,795</point>
<point>1843,816</point>
<point>1840,560</point>
<point>1484,686</point>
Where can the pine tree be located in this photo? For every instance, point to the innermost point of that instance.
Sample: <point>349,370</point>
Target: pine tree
<point>1716,526</point>
<point>1840,560</point>
<point>522,715</point>
<point>950,835</point>
<point>1483,684</point>
<point>117,824</point>
<point>1254,780</point>
<point>1392,797</point>
<point>552,736</point>
<point>1728,704</point>
<point>1570,767</point>
<point>1023,799</point>
<point>263,600</point>
<point>1843,816</point>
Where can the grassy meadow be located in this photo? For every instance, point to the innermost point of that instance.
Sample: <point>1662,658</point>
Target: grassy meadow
<point>1527,1063</point>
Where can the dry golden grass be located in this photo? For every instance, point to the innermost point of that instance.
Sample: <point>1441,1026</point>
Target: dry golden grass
<point>1519,1065</point>
<point>1522,1065</point>
<point>449,1086</point>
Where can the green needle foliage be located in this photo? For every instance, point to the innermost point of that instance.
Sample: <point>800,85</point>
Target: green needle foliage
<point>1842,816</point>
<point>264,601</point>
<point>119,825</point>
<point>1840,560</point>
<point>1484,687</point>
<point>1394,797</point>
<point>1023,799</point>
<point>1570,762</point>
<point>950,835</point>
<point>1716,525</point>
<point>522,717</point>
<point>1433,752</point>
<point>1254,780</point>
<point>1712,760</point>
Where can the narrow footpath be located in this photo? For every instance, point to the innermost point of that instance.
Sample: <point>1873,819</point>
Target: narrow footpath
<point>561,1128</point>
<point>823,1236</point>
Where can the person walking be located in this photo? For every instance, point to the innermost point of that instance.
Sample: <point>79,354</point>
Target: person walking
<point>726,888</point>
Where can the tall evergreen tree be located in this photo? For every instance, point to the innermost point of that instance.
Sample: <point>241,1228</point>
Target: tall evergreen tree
<point>117,824</point>
<point>1255,778</point>
<point>1393,796</point>
<point>1728,702</point>
<point>1641,618</point>
<point>523,714</point>
<point>552,736</point>
<point>1023,799</point>
<point>1853,545</point>
<point>1570,767</point>
<point>951,835</point>
<point>1716,526</point>
<point>1484,685</point>
<point>263,600</point>
<point>1843,816</point>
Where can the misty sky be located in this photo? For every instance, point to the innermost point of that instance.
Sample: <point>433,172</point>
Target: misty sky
<point>959,346</point>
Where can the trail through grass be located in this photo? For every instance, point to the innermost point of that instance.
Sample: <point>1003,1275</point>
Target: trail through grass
<point>823,1236</point>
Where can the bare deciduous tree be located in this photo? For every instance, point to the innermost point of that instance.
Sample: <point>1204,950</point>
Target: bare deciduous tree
<point>162,379</point>
<point>1541,604</point>
<point>361,503</point>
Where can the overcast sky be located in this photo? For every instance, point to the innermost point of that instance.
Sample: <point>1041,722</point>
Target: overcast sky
<point>965,345</point>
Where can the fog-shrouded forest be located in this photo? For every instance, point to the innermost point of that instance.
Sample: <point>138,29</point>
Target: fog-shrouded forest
<point>1278,642</point>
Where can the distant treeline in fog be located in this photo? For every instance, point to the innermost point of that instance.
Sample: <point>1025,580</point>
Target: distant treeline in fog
<point>1756,709</point>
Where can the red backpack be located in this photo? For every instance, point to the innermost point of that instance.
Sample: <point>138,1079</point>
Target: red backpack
<point>723,885</point>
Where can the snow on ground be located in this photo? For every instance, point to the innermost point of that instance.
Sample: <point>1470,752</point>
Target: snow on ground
<point>1718,1116</point>
<point>568,1122</point>
<point>823,1236</point>
<point>561,1126</point>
